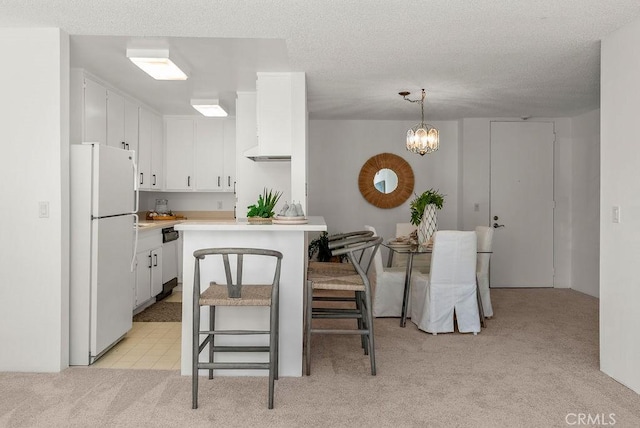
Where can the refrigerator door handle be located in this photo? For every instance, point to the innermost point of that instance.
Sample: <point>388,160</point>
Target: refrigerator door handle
<point>134,260</point>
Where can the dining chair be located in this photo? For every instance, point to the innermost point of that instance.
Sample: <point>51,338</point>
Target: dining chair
<point>450,287</point>
<point>341,279</point>
<point>421,262</point>
<point>235,294</point>
<point>387,285</point>
<point>485,242</point>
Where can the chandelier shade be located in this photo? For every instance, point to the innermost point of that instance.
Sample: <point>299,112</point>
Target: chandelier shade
<point>422,138</point>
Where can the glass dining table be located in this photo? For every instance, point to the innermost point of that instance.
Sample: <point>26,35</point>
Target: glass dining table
<point>411,250</point>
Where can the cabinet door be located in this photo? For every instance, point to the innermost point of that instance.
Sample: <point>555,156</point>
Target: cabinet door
<point>157,158</point>
<point>144,149</point>
<point>115,120</point>
<point>229,155</point>
<point>274,106</point>
<point>156,271</point>
<point>179,152</point>
<point>131,125</point>
<point>143,277</point>
<point>209,149</point>
<point>95,112</point>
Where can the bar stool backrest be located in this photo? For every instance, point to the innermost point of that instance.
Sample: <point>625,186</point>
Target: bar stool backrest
<point>235,288</point>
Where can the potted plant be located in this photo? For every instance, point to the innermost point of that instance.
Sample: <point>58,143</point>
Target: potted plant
<point>320,245</point>
<point>423,213</point>
<point>262,211</point>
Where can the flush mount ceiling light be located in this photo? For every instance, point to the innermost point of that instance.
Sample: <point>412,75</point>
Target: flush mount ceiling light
<point>156,63</point>
<point>209,108</point>
<point>422,138</point>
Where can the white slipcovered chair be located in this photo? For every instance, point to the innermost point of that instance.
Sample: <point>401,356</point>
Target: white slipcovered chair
<point>421,262</point>
<point>485,242</point>
<point>450,286</point>
<point>388,286</point>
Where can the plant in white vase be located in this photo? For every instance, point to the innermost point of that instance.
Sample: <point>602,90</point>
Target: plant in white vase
<point>423,214</point>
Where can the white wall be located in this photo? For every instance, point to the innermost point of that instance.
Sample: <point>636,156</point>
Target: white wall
<point>476,180</point>
<point>620,186</point>
<point>585,203</point>
<point>34,167</point>
<point>339,148</point>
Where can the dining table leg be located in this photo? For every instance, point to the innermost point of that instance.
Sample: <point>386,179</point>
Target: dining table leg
<point>407,290</point>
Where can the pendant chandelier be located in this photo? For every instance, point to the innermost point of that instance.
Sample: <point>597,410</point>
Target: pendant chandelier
<point>422,138</point>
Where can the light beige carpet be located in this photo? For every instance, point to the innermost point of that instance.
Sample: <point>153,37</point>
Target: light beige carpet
<point>534,364</point>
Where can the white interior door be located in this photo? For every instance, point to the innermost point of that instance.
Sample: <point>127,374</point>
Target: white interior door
<point>522,204</point>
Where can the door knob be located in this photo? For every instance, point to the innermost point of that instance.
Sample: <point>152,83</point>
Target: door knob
<point>496,225</point>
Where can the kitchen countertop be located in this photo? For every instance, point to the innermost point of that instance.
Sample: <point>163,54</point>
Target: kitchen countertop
<point>315,224</point>
<point>144,225</point>
<point>184,216</point>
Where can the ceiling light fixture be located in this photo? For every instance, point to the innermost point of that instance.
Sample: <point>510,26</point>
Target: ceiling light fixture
<point>156,63</point>
<point>422,138</point>
<point>209,108</point>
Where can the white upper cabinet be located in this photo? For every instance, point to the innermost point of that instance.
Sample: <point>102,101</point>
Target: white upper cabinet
<point>200,154</point>
<point>229,182</point>
<point>115,120</point>
<point>131,125</point>
<point>157,152</point>
<point>179,153</point>
<point>274,107</point>
<point>209,147</point>
<point>144,149</point>
<point>88,110</point>
<point>150,153</point>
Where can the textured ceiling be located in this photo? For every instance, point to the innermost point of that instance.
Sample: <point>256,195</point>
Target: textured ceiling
<point>475,59</point>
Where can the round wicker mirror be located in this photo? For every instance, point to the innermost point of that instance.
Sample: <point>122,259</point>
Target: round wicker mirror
<point>370,188</point>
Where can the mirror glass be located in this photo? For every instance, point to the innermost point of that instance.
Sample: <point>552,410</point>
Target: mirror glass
<point>385,181</point>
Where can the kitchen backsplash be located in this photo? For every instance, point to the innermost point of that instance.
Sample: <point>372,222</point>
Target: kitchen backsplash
<point>189,201</point>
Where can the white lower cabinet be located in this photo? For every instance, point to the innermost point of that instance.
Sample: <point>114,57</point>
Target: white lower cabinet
<point>148,268</point>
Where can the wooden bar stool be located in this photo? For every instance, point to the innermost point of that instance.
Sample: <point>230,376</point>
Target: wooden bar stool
<point>360,250</point>
<point>235,294</point>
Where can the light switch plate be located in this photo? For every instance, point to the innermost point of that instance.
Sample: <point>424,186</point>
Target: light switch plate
<point>615,214</point>
<point>43,209</point>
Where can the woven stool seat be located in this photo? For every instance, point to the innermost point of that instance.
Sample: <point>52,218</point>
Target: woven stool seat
<point>252,295</point>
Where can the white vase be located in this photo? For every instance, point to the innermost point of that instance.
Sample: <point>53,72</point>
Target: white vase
<point>428,225</point>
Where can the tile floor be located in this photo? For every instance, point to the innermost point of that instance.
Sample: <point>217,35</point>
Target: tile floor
<point>148,345</point>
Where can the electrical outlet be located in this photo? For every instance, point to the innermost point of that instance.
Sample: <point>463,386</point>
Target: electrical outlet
<point>219,204</point>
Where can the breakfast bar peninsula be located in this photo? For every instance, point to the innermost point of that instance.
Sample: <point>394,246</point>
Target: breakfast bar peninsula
<point>291,240</point>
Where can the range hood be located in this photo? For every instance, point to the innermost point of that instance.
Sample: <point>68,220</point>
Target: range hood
<point>256,155</point>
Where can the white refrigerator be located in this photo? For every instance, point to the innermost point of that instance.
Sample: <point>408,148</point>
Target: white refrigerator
<point>103,235</point>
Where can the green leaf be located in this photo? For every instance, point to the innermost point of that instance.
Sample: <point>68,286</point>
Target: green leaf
<point>419,203</point>
<point>265,205</point>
